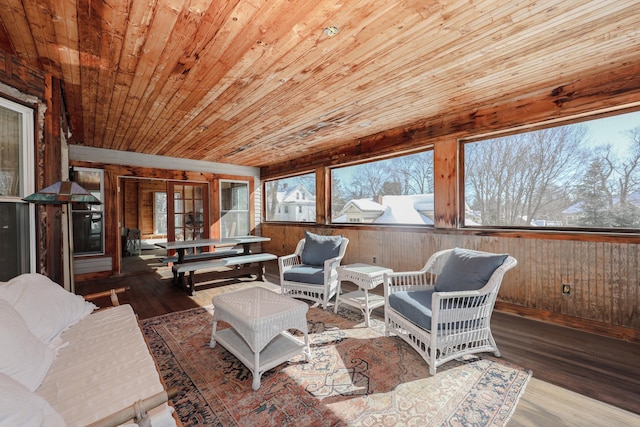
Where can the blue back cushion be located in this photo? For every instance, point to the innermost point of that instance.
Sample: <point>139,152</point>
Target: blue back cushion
<point>318,248</point>
<point>467,270</point>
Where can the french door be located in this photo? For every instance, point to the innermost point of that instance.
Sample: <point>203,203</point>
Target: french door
<point>187,211</point>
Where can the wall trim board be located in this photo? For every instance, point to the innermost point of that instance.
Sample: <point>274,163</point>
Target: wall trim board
<point>598,328</point>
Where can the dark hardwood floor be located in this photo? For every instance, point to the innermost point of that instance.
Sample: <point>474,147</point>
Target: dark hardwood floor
<point>578,378</point>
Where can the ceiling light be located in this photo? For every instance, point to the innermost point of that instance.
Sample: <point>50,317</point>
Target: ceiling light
<point>331,31</point>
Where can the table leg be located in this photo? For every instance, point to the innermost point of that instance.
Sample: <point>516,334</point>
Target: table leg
<point>335,306</point>
<point>212,343</point>
<point>181,252</point>
<point>179,278</point>
<point>366,307</point>
<point>307,353</point>
<point>257,373</point>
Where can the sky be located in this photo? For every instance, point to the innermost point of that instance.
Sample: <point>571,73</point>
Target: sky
<point>610,129</point>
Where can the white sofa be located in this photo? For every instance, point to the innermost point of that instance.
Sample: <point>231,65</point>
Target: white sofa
<point>61,364</point>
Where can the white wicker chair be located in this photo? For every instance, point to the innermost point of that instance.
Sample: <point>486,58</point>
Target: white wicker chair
<point>320,293</point>
<point>460,320</point>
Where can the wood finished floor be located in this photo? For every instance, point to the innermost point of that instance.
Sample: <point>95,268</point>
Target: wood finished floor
<point>579,379</point>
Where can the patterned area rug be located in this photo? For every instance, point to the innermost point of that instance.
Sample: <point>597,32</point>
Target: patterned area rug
<point>357,376</point>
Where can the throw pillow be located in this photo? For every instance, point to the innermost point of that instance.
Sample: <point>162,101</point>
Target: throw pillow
<point>317,249</point>
<point>23,357</point>
<point>467,270</point>
<point>21,407</point>
<point>47,308</point>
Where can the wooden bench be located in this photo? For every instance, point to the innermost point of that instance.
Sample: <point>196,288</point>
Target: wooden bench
<point>200,257</point>
<point>203,255</point>
<point>242,262</point>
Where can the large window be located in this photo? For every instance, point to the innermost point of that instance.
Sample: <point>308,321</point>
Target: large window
<point>291,199</point>
<point>17,241</point>
<point>583,175</point>
<point>391,191</point>
<point>88,224</point>
<point>234,209</point>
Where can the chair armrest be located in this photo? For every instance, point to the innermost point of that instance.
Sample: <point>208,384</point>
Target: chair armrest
<point>459,306</point>
<point>286,262</point>
<point>332,263</point>
<point>137,409</point>
<point>113,293</point>
<point>407,281</point>
<point>441,296</point>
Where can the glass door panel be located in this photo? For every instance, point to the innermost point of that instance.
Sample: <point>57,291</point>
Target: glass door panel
<point>234,209</point>
<point>190,217</point>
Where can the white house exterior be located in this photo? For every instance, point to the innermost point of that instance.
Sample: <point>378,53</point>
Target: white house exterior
<point>295,204</point>
<point>409,209</point>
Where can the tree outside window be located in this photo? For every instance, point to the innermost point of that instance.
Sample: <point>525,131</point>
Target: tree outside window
<point>581,175</point>
<point>398,190</point>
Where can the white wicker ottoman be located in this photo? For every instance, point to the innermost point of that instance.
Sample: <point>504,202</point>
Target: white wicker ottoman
<point>258,335</point>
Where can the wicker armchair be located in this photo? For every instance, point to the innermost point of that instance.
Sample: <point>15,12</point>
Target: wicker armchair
<point>444,310</point>
<point>310,272</point>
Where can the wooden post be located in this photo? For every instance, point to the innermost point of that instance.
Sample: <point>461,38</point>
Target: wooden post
<point>445,170</point>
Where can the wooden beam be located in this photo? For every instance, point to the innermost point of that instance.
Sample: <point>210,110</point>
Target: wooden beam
<point>52,172</point>
<point>323,195</point>
<point>445,167</point>
<point>574,99</point>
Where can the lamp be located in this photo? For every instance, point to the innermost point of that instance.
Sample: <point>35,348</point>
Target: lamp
<point>64,193</point>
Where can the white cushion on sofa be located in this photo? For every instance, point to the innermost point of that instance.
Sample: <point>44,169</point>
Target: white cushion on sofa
<point>105,367</point>
<point>22,355</point>
<point>21,407</point>
<point>47,308</point>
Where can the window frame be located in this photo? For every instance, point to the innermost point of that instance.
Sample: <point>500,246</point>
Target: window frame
<point>91,209</point>
<point>534,127</point>
<point>223,212</point>
<point>427,147</point>
<point>283,209</point>
<point>27,180</point>
<point>156,215</point>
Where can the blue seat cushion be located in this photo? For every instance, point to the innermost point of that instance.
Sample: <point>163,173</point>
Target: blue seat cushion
<point>311,274</point>
<point>414,305</point>
<point>317,249</point>
<point>467,270</point>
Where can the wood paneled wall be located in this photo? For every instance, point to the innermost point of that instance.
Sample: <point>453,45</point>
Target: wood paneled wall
<point>149,178</point>
<point>32,87</point>
<point>604,276</point>
<point>138,204</point>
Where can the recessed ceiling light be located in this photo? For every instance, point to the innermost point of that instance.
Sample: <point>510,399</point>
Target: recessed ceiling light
<point>331,31</point>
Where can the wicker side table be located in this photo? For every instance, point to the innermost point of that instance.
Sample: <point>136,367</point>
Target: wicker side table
<point>259,322</point>
<point>366,277</point>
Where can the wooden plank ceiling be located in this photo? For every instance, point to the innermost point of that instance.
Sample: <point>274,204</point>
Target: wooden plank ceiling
<point>260,82</point>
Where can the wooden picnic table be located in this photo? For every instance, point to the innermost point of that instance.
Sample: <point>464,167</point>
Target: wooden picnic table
<point>223,259</point>
<point>181,246</point>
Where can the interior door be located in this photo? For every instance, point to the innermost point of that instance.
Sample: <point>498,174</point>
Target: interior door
<point>187,211</point>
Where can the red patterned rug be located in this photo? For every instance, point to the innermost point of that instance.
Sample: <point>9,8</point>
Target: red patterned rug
<point>357,376</point>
